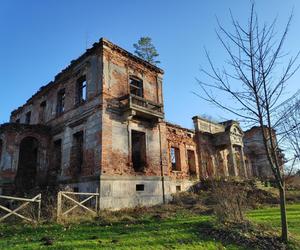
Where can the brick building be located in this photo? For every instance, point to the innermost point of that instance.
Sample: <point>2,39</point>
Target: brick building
<point>99,127</point>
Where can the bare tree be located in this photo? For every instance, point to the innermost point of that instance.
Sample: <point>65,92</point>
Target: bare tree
<point>253,84</point>
<point>290,132</point>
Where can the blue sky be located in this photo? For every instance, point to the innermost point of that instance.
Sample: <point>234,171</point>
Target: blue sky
<point>39,38</point>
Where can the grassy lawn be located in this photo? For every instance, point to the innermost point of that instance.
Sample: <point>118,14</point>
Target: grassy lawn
<point>271,217</point>
<point>178,230</point>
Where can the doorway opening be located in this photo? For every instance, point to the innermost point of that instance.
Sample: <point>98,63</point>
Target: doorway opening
<point>138,150</point>
<point>27,168</point>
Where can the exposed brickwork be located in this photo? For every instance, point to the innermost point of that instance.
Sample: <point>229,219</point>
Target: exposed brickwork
<point>184,140</point>
<point>116,153</point>
<point>13,135</point>
<point>96,143</point>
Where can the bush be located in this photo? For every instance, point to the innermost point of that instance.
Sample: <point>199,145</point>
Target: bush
<point>230,200</point>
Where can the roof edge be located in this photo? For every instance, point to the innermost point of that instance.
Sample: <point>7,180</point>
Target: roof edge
<point>129,54</point>
<point>179,127</point>
<point>102,41</point>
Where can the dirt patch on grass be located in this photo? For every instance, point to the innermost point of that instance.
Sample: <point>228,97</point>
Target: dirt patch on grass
<point>244,234</point>
<point>194,202</point>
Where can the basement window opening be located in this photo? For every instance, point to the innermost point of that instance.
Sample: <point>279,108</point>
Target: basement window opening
<point>175,159</point>
<point>81,90</point>
<point>136,86</point>
<point>140,187</point>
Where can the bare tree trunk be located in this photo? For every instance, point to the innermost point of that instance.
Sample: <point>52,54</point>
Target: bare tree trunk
<point>284,226</point>
<point>279,177</point>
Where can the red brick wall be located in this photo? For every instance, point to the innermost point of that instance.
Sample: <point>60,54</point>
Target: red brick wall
<point>184,140</point>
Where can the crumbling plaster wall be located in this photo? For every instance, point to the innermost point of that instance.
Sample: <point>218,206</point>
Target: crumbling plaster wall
<point>107,130</point>
<point>118,179</point>
<point>89,67</point>
<point>116,153</point>
<point>221,148</point>
<point>118,67</point>
<point>76,117</point>
<point>255,149</point>
<point>208,155</point>
<point>101,126</point>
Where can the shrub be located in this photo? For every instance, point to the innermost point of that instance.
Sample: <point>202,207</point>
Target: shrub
<point>230,200</point>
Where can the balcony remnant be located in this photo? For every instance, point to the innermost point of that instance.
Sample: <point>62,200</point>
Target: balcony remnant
<point>137,106</point>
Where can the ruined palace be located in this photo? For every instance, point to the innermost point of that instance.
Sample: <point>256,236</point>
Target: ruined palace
<point>99,127</point>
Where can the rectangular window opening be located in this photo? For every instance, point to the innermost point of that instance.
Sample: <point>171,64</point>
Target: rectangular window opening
<point>175,159</point>
<point>77,152</point>
<point>42,111</point>
<point>61,96</point>
<point>81,90</point>
<point>140,187</point>
<point>191,162</point>
<point>178,188</point>
<point>28,118</point>
<point>57,156</point>
<point>1,145</point>
<point>136,87</point>
<point>138,147</point>
<point>18,121</point>
<point>43,104</point>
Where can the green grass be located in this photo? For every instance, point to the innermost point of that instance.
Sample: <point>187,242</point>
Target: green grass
<point>271,217</point>
<point>178,230</point>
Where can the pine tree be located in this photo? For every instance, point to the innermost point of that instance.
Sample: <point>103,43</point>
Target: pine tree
<point>146,50</point>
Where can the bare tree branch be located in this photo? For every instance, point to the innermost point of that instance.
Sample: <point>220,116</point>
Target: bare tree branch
<point>251,79</point>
